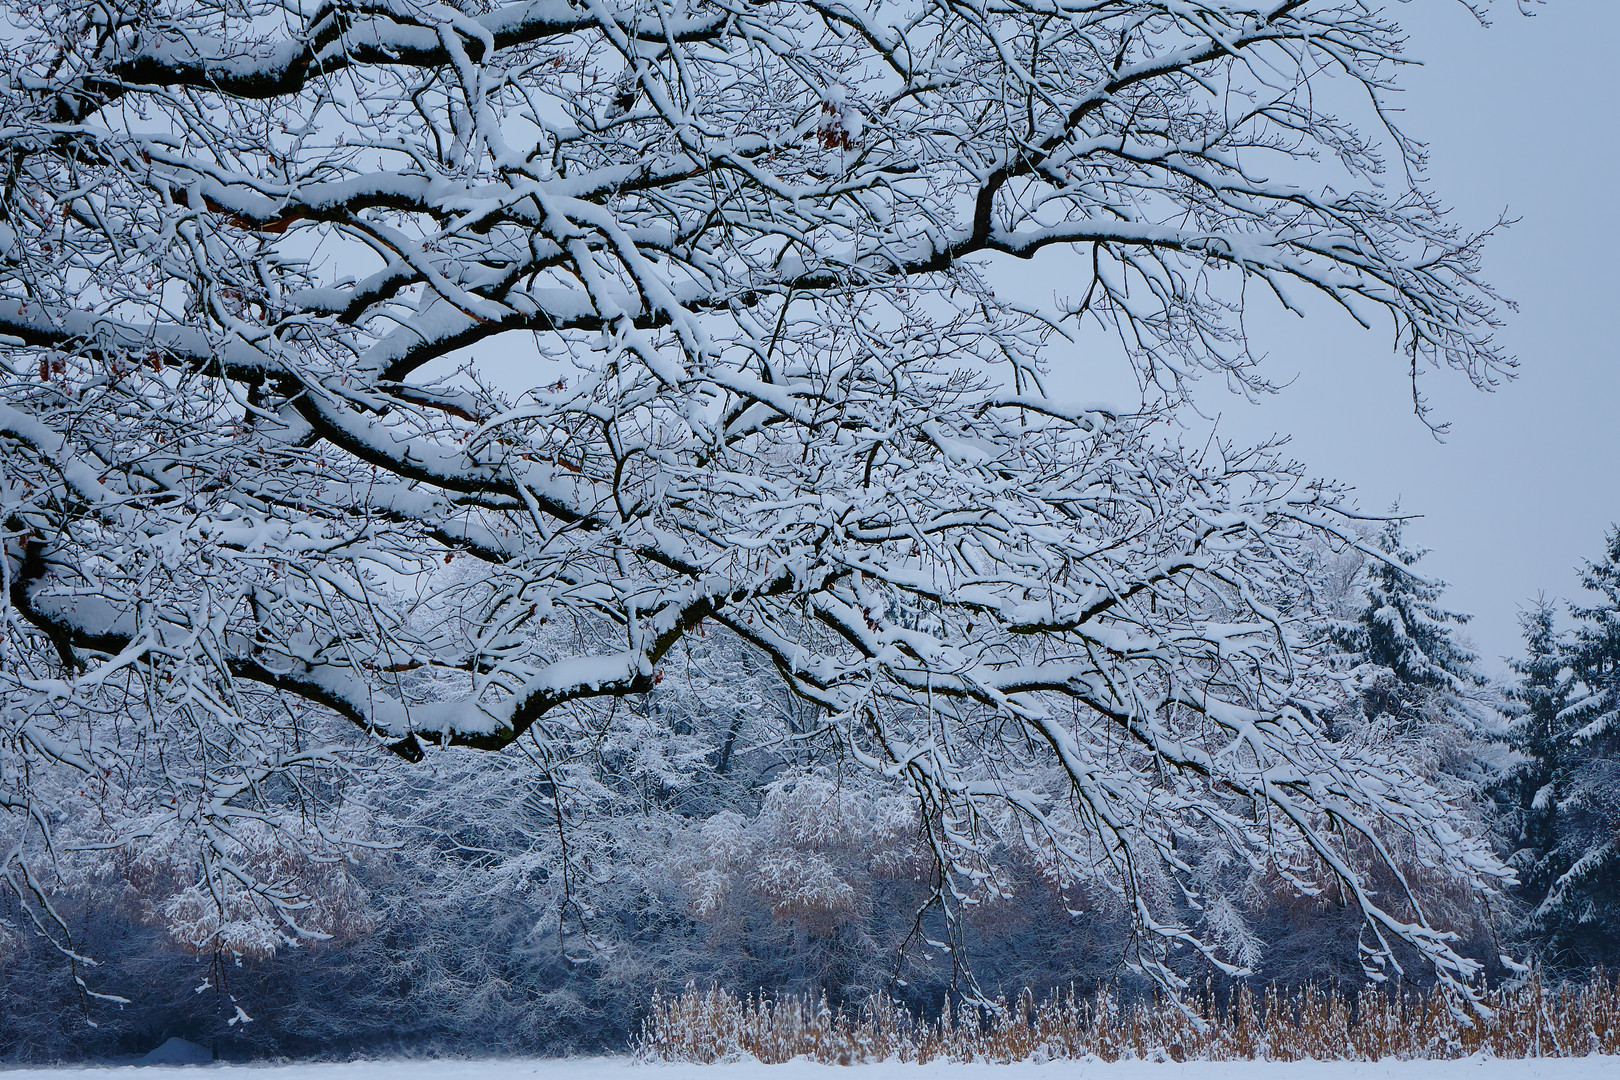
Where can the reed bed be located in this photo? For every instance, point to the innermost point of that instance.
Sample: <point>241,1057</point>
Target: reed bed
<point>1527,1020</point>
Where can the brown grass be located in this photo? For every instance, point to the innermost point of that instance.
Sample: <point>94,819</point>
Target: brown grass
<point>1529,1020</point>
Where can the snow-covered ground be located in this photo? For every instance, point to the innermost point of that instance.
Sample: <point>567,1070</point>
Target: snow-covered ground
<point>1590,1068</point>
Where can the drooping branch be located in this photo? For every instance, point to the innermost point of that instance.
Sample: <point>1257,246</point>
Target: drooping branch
<point>447,373</point>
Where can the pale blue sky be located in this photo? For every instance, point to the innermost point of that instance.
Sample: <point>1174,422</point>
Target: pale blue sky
<point>1520,116</point>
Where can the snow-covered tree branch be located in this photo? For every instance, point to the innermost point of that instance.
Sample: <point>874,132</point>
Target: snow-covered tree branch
<point>259,258</point>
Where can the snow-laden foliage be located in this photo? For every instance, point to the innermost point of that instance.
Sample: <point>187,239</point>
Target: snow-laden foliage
<point>1595,652</point>
<point>766,391</point>
<point>1540,732</point>
<point>1565,795</point>
<point>1407,668</point>
<point>1401,626</point>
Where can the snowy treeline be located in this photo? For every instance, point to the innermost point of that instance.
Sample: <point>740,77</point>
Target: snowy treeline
<point>509,505</point>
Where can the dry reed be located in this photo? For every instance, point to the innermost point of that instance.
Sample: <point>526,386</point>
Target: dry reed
<point>1523,1021</point>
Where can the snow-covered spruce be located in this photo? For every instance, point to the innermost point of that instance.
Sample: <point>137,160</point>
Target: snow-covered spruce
<point>1408,670</point>
<point>771,396</point>
<point>1563,799</point>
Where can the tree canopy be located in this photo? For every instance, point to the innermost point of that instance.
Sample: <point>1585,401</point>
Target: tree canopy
<point>258,258</point>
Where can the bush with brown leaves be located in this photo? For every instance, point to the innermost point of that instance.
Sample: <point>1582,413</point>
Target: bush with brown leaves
<point>1526,1020</point>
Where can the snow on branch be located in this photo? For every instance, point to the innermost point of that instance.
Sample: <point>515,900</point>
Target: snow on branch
<point>738,255</point>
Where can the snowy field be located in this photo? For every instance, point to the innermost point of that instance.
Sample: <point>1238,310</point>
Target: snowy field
<point>1590,1068</point>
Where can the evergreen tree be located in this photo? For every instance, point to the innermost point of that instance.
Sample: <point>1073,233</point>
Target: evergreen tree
<point>1575,883</point>
<point>1596,652</point>
<point>1402,628</point>
<point>1411,673</point>
<point>1532,791</point>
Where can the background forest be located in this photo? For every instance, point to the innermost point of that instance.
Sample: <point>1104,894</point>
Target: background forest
<point>511,904</point>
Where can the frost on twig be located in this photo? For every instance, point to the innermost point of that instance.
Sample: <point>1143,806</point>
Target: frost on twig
<point>737,251</point>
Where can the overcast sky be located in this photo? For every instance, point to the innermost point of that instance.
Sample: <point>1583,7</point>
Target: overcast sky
<point>1523,116</point>
<point>1519,116</point>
